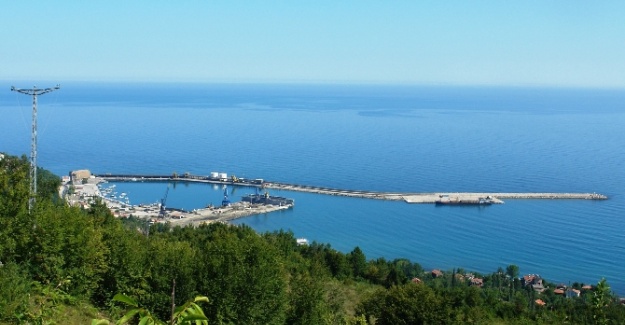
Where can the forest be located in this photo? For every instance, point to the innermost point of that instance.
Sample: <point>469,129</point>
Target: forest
<point>65,265</point>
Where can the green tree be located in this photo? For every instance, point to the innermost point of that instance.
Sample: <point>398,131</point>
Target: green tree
<point>601,299</point>
<point>512,271</point>
<point>306,300</point>
<point>419,305</point>
<point>243,275</point>
<point>358,262</point>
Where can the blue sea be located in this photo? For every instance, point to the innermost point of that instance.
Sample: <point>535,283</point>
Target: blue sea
<point>368,137</point>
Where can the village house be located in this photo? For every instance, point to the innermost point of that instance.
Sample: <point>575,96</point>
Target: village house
<point>573,293</point>
<point>535,281</point>
<point>477,282</point>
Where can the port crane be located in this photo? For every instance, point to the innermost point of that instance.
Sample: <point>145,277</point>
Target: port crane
<point>226,201</point>
<point>162,211</point>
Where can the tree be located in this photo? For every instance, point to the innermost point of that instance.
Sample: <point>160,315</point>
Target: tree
<point>243,275</point>
<point>306,300</point>
<point>601,299</point>
<point>411,304</point>
<point>358,262</point>
<point>512,271</point>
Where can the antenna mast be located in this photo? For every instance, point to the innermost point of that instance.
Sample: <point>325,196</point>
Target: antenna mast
<point>33,137</point>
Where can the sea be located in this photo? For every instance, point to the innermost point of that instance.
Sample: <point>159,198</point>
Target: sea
<point>399,138</point>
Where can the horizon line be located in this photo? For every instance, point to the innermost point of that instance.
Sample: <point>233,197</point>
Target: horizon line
<point>317,83</point>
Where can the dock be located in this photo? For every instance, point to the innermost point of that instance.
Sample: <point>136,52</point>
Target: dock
<point>224,214</point>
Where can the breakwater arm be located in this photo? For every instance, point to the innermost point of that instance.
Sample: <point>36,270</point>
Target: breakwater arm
<point>434,197</point>
<point>392,196</point>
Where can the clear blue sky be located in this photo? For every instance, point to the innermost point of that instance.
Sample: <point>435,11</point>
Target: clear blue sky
<point>552,43</point>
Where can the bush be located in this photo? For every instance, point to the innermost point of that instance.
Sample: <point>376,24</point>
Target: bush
<point>14,292</point>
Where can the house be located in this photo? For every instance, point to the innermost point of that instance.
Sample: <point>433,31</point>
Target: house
<point>79,175</point>
<point>587,287</point>
<point>535,281</point>
<point>477,282</point>
<point>558,291</point>
<point>416,280</point>
<point>437,273</point>
<point>573,293</point>
<point>530,279</point>
<point>539,302</point>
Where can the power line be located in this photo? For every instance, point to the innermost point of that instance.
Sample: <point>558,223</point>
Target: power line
<point>33,137</point>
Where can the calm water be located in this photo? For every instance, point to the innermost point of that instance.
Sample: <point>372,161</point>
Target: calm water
<point>412,139</point>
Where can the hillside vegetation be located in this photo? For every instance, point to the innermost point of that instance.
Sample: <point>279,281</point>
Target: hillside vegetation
<point>64,265</point>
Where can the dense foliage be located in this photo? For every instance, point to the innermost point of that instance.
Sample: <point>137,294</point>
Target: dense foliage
<point>60,256</point>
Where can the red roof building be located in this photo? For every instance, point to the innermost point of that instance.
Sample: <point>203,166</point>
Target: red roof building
<point>437,273</point>
<point>477,282</point>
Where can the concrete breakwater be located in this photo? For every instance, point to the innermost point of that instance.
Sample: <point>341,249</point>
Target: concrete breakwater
<point>434,197</point>
<point>497,197</point>
<point>392,196</point>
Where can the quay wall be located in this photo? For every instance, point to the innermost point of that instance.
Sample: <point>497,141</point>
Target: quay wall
<point>393,196</point>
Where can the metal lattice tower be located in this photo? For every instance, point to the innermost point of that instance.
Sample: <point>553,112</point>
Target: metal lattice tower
<point>33,137</point>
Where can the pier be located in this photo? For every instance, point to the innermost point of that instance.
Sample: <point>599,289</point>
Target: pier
<point>407,197</point>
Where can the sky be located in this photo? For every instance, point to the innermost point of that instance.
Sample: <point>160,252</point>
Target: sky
<point>504,43</point>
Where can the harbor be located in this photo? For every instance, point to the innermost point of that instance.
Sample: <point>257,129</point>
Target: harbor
<point>82,188</point>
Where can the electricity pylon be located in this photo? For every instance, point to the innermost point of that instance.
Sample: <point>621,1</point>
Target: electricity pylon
<point>33,140</point>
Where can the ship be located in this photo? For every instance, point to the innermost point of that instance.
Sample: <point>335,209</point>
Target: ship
<point>267,199</point>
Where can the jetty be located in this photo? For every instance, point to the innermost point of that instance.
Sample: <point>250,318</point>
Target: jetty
<point>428,198</point>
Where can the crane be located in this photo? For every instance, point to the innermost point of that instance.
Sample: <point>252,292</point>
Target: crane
<point>162,211</point>
<point>226,201</point>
